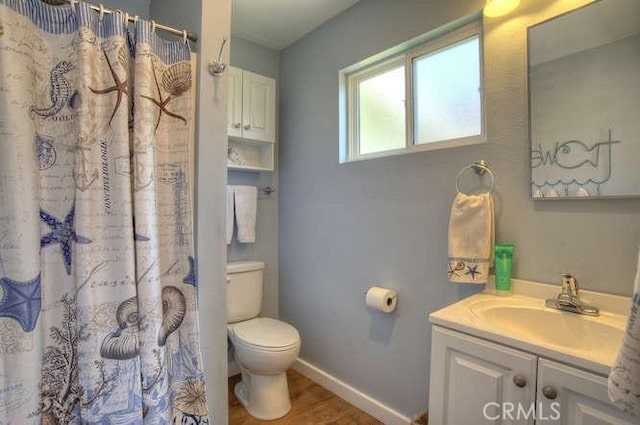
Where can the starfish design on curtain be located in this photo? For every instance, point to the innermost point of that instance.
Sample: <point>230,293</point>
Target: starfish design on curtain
<point>162,103</point>
<point>192,277</point>
<point>63,233</point>
<point>119,86</point>
<point>21,301</point>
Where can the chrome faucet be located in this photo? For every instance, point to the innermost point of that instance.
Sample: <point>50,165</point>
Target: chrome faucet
<point>569,298</point>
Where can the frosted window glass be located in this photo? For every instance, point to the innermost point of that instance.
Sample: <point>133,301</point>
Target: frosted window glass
<point>381,112</point>
<point>447,98</point>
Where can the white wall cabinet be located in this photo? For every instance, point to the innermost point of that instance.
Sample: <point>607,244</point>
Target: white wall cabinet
<point>252,106</point>
<point>251,122</point>
<point>477,382</point>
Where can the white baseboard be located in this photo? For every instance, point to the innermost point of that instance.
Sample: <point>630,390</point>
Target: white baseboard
<point>362,401</point>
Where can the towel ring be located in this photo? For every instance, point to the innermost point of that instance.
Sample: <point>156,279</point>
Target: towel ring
<point>480,167</point>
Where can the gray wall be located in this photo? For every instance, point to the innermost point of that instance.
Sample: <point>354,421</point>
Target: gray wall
<point>254,57</point>
<point>384,221</point>
<point>184,15</point>
<point>132,7</point>
<point>258,59</point>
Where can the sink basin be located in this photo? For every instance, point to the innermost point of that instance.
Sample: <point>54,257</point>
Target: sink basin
<point>540,323</point>
<point>523,321</point>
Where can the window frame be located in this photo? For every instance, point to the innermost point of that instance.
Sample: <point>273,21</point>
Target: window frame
<point>353,108</point>
<point>405,54</point>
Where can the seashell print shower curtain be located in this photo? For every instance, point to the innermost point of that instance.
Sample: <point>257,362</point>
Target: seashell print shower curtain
<point>98,285</point>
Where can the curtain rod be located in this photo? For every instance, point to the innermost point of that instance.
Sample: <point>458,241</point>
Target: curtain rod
<point>190,35</point>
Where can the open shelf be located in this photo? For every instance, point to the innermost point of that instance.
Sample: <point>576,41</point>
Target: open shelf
<point>258,156</point>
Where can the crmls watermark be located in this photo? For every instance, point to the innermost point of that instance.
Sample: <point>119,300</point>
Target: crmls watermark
<point>518,411</point>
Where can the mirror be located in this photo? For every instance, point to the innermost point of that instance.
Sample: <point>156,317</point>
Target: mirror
<point>584,102</point>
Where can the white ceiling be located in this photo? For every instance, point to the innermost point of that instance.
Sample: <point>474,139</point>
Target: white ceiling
<point>277,24</point>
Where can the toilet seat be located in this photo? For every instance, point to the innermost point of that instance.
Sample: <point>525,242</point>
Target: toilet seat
<point>265,334</point>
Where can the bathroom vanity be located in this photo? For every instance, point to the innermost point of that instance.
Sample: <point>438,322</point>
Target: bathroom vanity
<point>513,360</point>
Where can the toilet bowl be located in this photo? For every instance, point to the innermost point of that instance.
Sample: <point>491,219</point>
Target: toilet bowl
<point>263,348</point>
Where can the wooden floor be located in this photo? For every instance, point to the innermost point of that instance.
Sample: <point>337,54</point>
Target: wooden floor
<point>310,404</point>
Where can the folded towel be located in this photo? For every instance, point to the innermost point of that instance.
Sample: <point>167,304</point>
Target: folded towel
<point>230,207</point>
<point>471,238</point>
<point>624,379</point>
<point>246,201</point>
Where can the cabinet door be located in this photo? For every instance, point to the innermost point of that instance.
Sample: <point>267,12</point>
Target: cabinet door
<point>580,397</point>
<point>234,103</point>
<point>475,382</point>
<point>258,107</point>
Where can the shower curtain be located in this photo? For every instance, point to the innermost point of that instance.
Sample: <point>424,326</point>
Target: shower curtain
<point>98,302</point>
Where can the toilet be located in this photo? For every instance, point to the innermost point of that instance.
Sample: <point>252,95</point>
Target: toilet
<point>263,348</point>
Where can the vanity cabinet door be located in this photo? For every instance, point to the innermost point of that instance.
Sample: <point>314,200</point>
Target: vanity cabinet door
<point>476,382</point>
<point>580,397</point>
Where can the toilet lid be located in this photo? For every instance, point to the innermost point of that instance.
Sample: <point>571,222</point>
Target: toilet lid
<point>266,332</point>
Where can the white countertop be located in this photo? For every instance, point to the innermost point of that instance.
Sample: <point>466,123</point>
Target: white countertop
<point>590,343</point>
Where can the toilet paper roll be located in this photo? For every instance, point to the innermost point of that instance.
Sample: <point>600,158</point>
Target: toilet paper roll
<point>381,299</point>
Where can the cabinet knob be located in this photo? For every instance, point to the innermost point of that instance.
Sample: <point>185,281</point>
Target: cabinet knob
<point>549,392</point>
<point>237,125</point>
<point>247,127</point>
<point>520,381</point>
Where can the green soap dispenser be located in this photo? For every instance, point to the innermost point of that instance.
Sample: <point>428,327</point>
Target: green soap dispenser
<point>504,263</point>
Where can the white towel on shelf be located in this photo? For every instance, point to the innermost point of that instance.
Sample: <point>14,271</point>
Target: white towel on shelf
<point>471,238</point>
<point>230,213</point>
<point>624,379</point>
<point>246,201</point>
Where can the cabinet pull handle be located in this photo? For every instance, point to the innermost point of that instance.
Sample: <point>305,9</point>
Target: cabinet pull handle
<point>237,125</point>
<point>550,392</point>
<point>247,127</point>
<point>520,381</point>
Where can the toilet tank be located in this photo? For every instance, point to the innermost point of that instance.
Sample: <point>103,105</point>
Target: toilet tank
<point>244,290</point>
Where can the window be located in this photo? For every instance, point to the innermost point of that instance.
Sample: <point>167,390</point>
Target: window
<point>380,121</point>
<point>427,96</point>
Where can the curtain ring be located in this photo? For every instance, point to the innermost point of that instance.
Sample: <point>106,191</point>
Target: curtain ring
<point>153,26</point>
<point>184,36</point>
<point>73,4</point>
<point>101,11</point>
<point>135,19</point>
<point>124,14</point>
